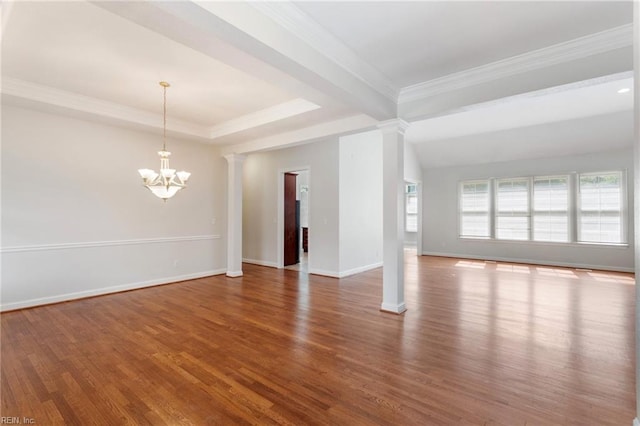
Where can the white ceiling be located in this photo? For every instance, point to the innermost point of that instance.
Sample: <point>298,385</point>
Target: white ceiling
<point>571,101</point>
<point>265,74</point>
<point>80,48</point>
<point>562,138</point>
<point>412,42</point>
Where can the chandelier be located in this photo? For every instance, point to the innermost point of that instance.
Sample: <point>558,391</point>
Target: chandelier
<point>168,182</point>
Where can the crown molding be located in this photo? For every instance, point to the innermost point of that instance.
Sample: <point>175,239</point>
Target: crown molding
<point>294,20</point>
<point>571,50</point>
<point>235,158</point>
<point>61,98</point>
<point>393,126</point>
<point>68,100</point>
<point>358,122</point>
<point>264,116</point>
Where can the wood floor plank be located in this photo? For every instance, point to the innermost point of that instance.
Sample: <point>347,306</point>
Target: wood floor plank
<point>481,344</point>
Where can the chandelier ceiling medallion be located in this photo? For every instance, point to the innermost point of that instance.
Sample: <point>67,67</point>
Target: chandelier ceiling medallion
<point>168,182</point>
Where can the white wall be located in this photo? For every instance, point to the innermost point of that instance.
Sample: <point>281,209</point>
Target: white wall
<point>412,168</point>
<point>76,220</point>
<point>440,214</point>
<point>360,202</point>
<point>260,203</point>
<point>410,239</point>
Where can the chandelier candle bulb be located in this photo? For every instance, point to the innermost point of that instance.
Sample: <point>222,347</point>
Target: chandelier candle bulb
<point>166,183</point>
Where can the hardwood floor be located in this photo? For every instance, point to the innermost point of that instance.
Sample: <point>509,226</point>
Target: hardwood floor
<point>480,344</point>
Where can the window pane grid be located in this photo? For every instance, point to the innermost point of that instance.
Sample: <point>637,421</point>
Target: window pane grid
<point>512,209</point>
<point>600,208</point>
<point>540,209</point>
<point>411,208</point>
<point>551,208</point>
<point>474,206</point>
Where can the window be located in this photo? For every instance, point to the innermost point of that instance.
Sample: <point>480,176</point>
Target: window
<point>512,209</point>
<point>601,208</point>
<point>411,208</point>
<point>474,209</point>
<point>551,208</point>
<point>578,208</point>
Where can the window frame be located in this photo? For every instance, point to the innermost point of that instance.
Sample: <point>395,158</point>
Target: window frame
<point>572,211</point>
<point>407,195</point>
<point>567,211</point>
<point>526,213</point>
<point>622,213</point>
<point>489,209</point>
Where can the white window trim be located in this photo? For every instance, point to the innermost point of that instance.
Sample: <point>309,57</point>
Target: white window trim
<point>623,207</point>
<point>572,210</point>
<point>526,214</point>
<point>568,210</point>
<point>489,182</point>
<point>406,213</point>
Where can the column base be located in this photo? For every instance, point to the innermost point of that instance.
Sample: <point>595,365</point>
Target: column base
<point>393,308</point>
<point>636,422</point>
<point>234,274</point>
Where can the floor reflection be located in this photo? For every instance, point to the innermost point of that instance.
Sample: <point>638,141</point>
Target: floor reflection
<point>547,331</point>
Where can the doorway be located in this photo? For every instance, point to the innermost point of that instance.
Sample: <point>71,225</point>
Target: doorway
<point>293,219</point>
<point>413,217</point>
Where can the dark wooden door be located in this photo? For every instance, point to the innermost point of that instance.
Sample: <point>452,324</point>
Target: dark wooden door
<point>290,229</point>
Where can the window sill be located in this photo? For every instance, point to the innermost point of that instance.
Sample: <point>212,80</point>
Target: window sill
<point>622,246</point>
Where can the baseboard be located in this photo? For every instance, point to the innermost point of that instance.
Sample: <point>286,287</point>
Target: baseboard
<point>343,274</point>
<point>325,273</point>
<point>261,262</point>
<point>234,274</point>
<point>393,308</point>
<point>106,290</point>
<point>359,270</point>
<point>531,261</point>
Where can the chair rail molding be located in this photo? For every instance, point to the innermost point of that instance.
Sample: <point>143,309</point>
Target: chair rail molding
<point>92,244</point>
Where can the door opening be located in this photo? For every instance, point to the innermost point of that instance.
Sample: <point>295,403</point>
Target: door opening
<point>295,240</point>
<point>291,221</point>
<point>413,217</point>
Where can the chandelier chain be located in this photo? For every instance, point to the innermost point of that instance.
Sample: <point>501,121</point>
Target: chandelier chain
<point>164,118</point>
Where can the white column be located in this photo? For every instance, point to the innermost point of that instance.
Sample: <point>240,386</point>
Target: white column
<point>234,214</point>
<point>393,215</point>
<point>636,187</point>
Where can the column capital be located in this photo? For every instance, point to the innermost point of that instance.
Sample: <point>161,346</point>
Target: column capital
<point>395,125</point>
<point>235,158</point>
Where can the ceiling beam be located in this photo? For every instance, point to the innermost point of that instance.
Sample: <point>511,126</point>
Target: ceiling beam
<point>309,134</point>
<point>259,118</point>
<point>585,58</point>
<point>274,43</point>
